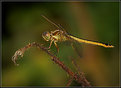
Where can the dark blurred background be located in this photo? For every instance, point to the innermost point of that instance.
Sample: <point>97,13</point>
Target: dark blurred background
<point>22,24</point>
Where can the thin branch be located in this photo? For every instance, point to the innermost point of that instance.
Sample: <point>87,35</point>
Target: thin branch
<point>80,73</point>
<point>75,65</point>
<point>76,77</point>
<point>70,81</point>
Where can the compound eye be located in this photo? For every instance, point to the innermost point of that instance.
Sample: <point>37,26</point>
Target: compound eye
<point>44,33</point>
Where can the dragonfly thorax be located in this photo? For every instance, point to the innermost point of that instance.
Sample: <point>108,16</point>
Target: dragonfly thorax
<point>56,36</point>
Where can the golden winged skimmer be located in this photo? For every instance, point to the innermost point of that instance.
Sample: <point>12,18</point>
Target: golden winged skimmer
<point>61,35</point>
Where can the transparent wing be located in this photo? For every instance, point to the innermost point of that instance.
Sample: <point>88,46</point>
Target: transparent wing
<point>77,48</point>
<point>56,25</point>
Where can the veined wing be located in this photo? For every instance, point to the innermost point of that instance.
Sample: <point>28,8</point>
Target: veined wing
<point>90,42</point>
<point>56,25</point>
<point>50,21</point>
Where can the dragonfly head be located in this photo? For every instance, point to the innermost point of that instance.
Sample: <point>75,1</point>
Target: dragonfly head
<point>46,36</point>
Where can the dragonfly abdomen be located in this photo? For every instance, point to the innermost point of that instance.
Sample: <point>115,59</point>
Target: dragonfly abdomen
<point>90,42</point>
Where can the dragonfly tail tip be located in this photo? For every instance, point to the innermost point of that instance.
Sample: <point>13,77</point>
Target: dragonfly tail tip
<point>110,46</point>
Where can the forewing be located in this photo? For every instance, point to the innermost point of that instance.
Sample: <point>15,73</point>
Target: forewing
<point>77,47</point>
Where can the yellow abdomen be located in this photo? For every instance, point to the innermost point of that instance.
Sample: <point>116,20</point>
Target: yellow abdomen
<point>90,42</point>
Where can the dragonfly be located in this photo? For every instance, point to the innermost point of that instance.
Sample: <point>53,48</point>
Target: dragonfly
<point>60,35</point>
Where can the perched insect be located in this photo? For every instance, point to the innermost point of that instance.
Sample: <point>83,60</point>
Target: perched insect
<point>60,35</point>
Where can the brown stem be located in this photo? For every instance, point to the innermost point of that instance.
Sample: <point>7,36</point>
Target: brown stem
<point>70,81</point>
<point>79,79</point>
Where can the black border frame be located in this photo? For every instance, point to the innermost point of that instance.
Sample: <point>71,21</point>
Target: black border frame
<point>2,1</point>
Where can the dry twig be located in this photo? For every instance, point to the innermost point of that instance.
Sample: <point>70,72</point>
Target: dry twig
<point>76,77</point>
<point>80,73</point>
<point>70,81</point>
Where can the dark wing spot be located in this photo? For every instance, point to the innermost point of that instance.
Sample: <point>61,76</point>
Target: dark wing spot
<point>106,44</point>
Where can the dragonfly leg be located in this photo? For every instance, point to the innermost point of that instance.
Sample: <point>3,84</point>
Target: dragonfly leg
<point>56,46</point>
<point>50,44</point>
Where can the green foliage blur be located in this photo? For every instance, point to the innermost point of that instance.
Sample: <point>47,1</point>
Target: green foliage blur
<point>23,24</point>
